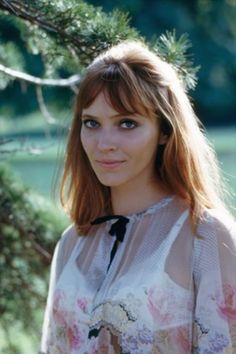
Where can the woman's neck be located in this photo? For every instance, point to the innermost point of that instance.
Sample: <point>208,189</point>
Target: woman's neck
<point>132,200</point>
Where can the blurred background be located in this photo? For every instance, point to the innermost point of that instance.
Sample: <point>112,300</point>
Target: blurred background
<point>34,124</point>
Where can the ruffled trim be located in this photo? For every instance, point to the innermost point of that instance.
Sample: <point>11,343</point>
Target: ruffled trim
<point>152,209</point>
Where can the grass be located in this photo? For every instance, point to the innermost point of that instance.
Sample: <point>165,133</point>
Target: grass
<point>223,139</point>
<point>32,123</point>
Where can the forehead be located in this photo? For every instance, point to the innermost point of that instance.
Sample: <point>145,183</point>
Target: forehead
<point>102,105</point>
<point>100,100</point>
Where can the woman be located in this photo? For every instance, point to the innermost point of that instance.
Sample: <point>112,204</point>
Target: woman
<point>149,264</point>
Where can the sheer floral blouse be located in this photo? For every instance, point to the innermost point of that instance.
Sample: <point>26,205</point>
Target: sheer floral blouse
<point>143,284</point>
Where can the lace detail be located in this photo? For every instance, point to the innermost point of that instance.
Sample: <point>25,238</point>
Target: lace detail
<point>116,315</point>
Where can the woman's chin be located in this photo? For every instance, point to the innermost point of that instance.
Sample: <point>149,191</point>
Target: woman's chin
<point>109,182</point>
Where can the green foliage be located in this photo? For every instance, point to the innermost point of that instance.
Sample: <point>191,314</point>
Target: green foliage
<point>9,56</point>
<point>29,229</point>
<point>69,34</point>
<point>175,51</point>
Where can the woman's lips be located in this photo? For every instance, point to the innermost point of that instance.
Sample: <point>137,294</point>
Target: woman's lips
<point>109,164</point>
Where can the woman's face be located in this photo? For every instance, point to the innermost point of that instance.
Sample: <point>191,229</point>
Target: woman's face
<point>121,148</point>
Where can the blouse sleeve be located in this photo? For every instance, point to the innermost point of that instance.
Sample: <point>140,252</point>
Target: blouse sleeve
<point>214,329</point>
<point>61,254</point>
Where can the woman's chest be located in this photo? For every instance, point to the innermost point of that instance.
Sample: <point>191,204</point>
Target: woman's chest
<point>133,311</point>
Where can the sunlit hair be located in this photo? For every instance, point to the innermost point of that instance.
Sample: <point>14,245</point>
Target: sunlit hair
<point>135,80</point>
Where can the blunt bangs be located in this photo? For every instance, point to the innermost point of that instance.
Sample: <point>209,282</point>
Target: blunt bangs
<point>122,89</point>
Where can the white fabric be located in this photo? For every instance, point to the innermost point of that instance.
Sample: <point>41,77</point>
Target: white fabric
<point>166,290</point>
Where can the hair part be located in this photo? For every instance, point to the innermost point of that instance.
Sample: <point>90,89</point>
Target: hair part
<point>135,80</point>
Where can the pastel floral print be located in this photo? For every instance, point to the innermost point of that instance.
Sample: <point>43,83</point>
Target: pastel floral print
<point>120,322</point>
<point>75,336</point>
<point>145,335</point>
<point>158,307</point>
<point>83,304</point>
<point>115,321</point>
<point>59,312</point>
<point>163,299</point>
<point>218,343</point>
<point>182,338</point>
<point>67,330</point>
<point>137,307</point>
<point>226,304</point>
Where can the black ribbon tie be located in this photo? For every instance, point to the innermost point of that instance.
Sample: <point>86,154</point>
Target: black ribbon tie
<point>117,229</point>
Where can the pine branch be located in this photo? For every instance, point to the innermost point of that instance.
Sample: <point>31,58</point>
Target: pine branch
<point>68,35</point>
<point>81,29</point>
<point>23,11</point>
<point>69,82</point>
<point>175,51</point>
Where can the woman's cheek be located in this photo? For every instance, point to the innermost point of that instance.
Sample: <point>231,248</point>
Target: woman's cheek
<point>87,141</point>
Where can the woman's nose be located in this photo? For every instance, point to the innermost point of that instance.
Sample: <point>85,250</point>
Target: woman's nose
<point>106,140</point>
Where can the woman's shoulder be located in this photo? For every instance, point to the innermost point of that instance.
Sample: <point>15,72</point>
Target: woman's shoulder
<point>69,234</point>
<point>218,222</point>
<point>216,234</point>
<point>215,245</point>
<point>67,242</point>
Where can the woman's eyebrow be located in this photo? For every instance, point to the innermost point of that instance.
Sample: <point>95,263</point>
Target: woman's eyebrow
<point>88,116</point>
<point>91,116</point>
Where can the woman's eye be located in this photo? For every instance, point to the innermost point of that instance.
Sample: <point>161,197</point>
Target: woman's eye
<point>128,124</point>
<point>90,123</point>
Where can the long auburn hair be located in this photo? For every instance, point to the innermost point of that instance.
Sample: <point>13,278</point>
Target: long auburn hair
<point>135,80</point>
